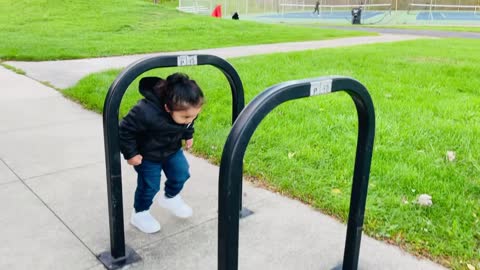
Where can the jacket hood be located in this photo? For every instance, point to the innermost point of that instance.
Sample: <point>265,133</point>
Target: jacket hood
<point>145,88</point>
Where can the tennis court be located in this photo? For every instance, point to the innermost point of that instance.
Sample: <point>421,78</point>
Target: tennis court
<point>332,15</point>
<point>338,12</point>
<point>448,15</point>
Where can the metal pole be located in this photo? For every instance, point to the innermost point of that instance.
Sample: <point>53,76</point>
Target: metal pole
<point>231,171</point>
<point>431,15</point>
<point>118,255</point>
<point>226,7</point>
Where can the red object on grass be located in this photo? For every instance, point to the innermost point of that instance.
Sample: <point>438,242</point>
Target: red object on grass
<point>217,11</point>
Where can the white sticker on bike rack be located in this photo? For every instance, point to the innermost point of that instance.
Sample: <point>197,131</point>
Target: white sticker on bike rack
<point>187,60</point>
<point>320,87</point>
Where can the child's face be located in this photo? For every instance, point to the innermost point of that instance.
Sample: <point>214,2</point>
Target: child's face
<point>184,116</point>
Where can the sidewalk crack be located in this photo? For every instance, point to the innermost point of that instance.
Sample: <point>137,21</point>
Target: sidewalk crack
<point>50,209</point>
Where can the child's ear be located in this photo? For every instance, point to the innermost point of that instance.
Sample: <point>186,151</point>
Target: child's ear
<point>166,108</point>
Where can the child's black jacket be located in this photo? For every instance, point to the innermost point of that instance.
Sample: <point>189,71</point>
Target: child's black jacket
<point>149,130</point>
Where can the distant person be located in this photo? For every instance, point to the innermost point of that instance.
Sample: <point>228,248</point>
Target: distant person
<point>235,16</point>
<point>217,11</point>
<point>151,138</point>
<point>356,15</point>
<point>317,8</point>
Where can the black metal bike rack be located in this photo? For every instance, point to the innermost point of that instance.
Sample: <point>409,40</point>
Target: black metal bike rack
<point>120,254</point>
<point>232,158</point>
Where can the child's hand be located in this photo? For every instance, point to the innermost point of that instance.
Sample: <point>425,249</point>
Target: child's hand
<point>136,160</point>
<point>189,143</point>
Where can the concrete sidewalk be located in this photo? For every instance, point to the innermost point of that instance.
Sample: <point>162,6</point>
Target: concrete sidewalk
<point>54,202</point>
<point>416,32</point>
<point>66,73</point>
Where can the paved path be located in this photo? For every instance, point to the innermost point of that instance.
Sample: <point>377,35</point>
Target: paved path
<point>416,32</point>
<point>63,74</point>
<point>54,202</point>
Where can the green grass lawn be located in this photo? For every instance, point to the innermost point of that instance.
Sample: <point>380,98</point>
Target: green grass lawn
<point>427,102</point>
<point>65,29</point>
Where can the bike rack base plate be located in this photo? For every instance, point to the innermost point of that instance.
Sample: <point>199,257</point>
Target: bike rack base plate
<point>111,263</point>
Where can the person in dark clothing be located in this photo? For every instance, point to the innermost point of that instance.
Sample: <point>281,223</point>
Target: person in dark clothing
<point>235,16</point>
<point>317,8</point>
<point>151,136</point>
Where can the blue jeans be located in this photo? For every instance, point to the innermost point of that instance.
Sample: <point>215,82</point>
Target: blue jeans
<point>176,170</point>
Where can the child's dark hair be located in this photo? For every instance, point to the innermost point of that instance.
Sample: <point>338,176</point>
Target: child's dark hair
<point>178,92</point>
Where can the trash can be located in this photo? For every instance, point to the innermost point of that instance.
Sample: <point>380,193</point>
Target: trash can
<point>356,15</point>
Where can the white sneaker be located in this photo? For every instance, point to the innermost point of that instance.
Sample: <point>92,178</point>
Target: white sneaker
<point>145,222</point>
<point>176,205</point>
